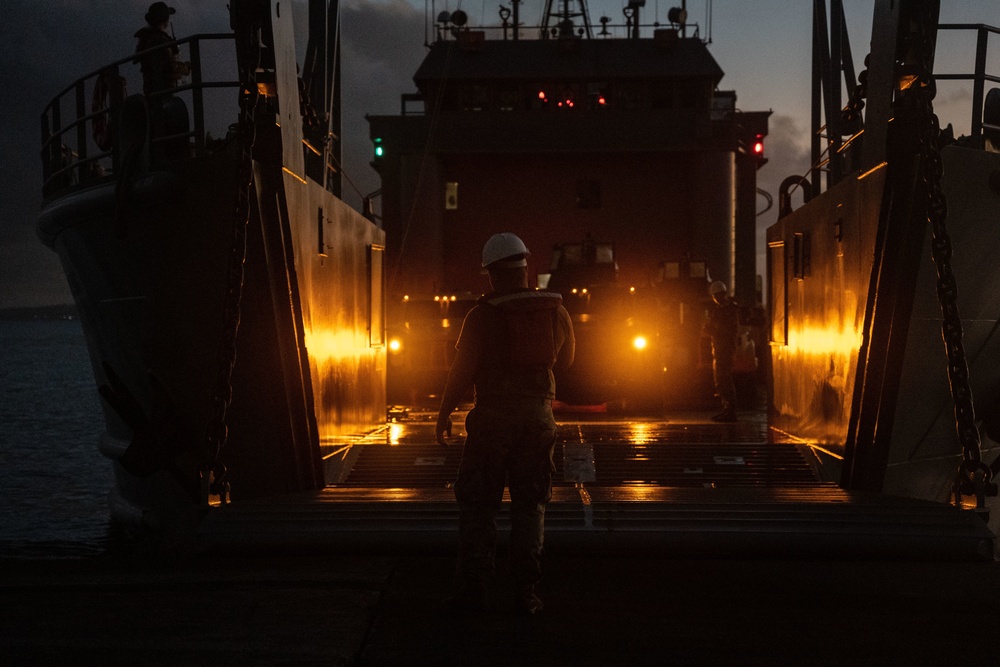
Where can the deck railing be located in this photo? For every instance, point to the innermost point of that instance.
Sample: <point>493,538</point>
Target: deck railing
<point>979,77</point>
<point>71,156</point>
<point>603,28</point>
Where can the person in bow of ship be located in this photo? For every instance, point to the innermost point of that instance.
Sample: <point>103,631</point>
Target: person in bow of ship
<point>160,69</point>
<point>509,344</point>
<point>722,327</point>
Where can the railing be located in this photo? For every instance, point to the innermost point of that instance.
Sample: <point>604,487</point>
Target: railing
<point>605,30</point>
<point>70,154</point>
<point>979,77</point>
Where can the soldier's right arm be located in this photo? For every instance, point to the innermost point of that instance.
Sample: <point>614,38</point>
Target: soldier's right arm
<point>463,371</point>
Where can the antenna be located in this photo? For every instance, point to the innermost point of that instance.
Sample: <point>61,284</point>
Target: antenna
<point>564,19</point>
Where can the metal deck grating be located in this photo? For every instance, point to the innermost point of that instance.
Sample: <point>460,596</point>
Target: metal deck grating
<point>694,488</point>
<point>623,453</point>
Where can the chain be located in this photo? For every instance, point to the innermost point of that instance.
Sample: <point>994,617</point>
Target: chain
<point>974,477</point>
<point>245,20</point>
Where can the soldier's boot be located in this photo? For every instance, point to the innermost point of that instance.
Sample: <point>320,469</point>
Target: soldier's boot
<point>527,601</point>
<point>728,413</point>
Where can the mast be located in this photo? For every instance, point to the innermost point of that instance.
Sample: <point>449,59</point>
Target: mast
<point>564,19</point>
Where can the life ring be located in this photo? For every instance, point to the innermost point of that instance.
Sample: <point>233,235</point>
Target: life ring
<point>109,91</point>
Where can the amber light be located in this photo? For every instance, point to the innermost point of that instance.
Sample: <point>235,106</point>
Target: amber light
<point>640,342</point>
<point>823,342</point>
<point>331,345</point>
<point>395,345</point>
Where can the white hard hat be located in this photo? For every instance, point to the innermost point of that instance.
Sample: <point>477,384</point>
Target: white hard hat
<point>716,287</point>
<point>503,246</point>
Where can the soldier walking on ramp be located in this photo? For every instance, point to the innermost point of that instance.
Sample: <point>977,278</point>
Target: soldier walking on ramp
<point>509,344</point>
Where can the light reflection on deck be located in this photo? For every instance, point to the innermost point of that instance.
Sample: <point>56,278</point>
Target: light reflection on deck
<point>677,450</point>
<point>680,483</point>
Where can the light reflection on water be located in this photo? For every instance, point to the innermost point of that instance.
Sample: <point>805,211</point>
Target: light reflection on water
<point>54,483</point>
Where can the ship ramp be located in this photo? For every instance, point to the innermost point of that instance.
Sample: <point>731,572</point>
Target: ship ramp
<point>679,485</point>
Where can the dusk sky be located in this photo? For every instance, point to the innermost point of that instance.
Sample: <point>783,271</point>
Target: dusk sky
<point>763,46</point>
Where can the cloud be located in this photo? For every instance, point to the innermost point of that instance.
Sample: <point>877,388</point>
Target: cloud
<point>383,45</point>
<point>788,152</point>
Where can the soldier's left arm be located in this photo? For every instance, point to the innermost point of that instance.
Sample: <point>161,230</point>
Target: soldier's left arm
<point>565,341</point>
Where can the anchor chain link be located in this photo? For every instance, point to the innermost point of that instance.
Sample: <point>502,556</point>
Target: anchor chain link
<point>974,477</point>
<point>246,24</point>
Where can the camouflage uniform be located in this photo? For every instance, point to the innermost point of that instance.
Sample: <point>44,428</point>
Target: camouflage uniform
<point>511,430</point>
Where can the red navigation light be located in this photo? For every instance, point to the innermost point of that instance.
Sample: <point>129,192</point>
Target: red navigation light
<point>601,100</point>
<point>541,95</point>
<point>757,151</point>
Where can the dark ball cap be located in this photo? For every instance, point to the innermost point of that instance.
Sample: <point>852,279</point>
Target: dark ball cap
<point>159,12</point>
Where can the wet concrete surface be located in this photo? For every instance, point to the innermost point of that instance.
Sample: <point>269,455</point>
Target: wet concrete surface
<point>386,609</point>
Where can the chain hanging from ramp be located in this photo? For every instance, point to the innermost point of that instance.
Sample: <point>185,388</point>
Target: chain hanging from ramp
<point>245,19</point>
<point>974,477</point>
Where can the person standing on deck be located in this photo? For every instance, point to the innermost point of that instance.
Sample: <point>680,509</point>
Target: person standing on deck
<point>160,69</point>
<point>509,344</point>
<point>723,328</point>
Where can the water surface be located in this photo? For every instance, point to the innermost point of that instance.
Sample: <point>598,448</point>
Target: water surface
<point>54,483</point>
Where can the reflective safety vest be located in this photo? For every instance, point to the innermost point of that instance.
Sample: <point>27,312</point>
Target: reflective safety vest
<point>520,346</point>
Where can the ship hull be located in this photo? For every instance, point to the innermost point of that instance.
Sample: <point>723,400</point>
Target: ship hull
<point>820,261</point>
<point>149,277</point>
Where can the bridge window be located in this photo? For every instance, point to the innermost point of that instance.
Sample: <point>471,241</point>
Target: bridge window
<point>661,95</point>
<point>475,97</point>
<point>507,97</point>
